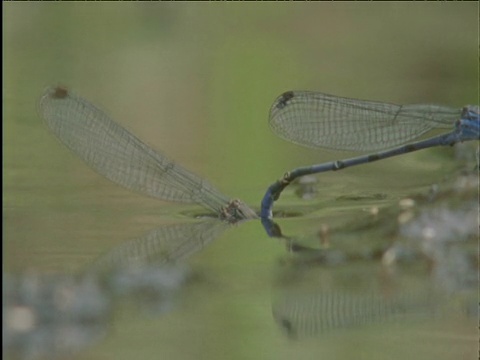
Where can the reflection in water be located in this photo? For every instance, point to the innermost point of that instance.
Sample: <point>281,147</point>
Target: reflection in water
<point>152,288</point>
<point>52,316</point>
<point>303,314</point>
<point>324,286</point>
<point>166,244</point>
<point>306,187</point>
<point>312,301</point>
<point>151,269</point>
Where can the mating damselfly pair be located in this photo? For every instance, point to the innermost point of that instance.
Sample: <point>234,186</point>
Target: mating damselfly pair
<point>308,118</point>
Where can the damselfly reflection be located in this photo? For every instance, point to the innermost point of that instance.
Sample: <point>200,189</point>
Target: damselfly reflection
<point>169,244</point>
<point>319,300</point>
<point>149,270</point>
<point>304,314</point>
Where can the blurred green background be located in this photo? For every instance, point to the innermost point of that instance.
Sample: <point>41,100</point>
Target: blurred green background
<point>195,81</point>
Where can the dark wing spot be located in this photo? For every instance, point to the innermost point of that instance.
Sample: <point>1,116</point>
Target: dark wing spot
<point>288,327</point>
<point>59,92</point>
<point>284,98</point>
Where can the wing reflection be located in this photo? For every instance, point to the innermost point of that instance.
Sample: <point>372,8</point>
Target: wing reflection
<point>304,314</point>
<point>52,316</point>
<point>165,245</point>
<point>151,269</point>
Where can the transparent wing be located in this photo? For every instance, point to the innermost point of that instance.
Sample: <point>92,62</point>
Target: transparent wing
<point>319,120</point>
<point>120,156</point>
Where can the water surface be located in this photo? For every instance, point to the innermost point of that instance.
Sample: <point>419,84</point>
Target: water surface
<point>94,271</point>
